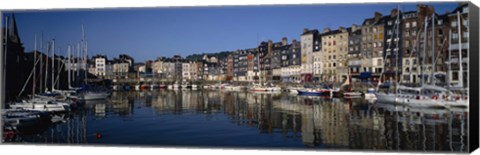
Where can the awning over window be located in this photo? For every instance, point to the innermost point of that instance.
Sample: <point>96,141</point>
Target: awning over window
<point>365,75</point>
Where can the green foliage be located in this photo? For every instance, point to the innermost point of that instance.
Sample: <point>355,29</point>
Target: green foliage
<point>219,55</point>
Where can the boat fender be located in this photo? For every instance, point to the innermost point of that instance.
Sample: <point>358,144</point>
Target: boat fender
<point>98,135</point>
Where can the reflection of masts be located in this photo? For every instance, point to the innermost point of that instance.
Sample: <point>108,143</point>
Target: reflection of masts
<point>462,132</point>
<point>450,119</point>
<point>424,134</point>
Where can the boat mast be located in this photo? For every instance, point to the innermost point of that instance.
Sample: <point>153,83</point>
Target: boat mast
<point>449,64</point>
<point>69,67</point>
<point>78,61</point>
<point>34,66</point>
<point>41,64</point>
<point>424,51</point>
<point>433,50</point>
<point>46,67</point>
<point>53,65</point>
<point>460,63</point>
<point>397,50</point>
<point>84,51</point>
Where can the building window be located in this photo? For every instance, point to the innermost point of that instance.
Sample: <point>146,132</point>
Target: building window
<point>465,35</point>
<point>455,35</point>
<point>407,25</point>
<point>440,22</point>
<point>414,24</point>
<point>454,24</point>
<point>454,76</point>
<point>440,32</point>
<point>389,23</point>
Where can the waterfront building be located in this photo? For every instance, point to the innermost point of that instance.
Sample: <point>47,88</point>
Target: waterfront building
<point>410,35</point>
<point>139,67</point>
<point>252,65</point>
<point>186,70</point>
<point>199,66</point>
<point>193,70</point>
<point>100,65</point>
<point>168,70</point>
<point>240,65</point>
<point>372,47</point>
<point>460,46</point>
<point>158,69</point>
<point>178,64</point>
<point>109,69</point>
<point>120,68</point>
<point>264,54</point>
<point>317,66</point>
<point>129,60</point>
<point>230,68</point>
<point>310,42</point>
<point>294,62</point>
<point>334,54</point>
<point>354,51</point>
<point>392,49</point>
<point>91,69</point>
<point>276,59</point>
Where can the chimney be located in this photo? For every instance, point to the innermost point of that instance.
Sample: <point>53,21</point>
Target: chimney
<point>305,30</point>
<point>378,15</point>
<point>327,29</point>
<point>284,41</point>
<point>341,28</point>
<point>270,46</point>
<point>294,43</point>
<point>354,27</point>
<point>394,12</point>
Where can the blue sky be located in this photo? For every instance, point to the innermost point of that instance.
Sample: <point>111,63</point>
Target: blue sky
<point>147,33</point>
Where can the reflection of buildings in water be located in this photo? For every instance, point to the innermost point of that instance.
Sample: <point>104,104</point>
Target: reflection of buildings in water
<point>458,132</point>
<point>122,103</point>
<point>418,129</point>
<point>164,101</point>
<point>366,127</point>
<point>100,110</point>
<point>308,125</point>
<point>335,125</point>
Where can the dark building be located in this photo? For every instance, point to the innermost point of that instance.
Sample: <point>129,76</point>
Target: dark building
<point>15,60</point>
<point>459,22</point>
<point>264,54</point>
<point>354,50</point>
<point>229,71</point>
<point>129,59</point>
<point>392,49</point>
<point>295,59</point>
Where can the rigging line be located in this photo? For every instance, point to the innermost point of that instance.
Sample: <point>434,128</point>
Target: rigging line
<point>28,79</point>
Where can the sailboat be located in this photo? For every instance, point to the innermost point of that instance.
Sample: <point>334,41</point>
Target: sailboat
<point>262,87</point>
<point>349,93</point>
<point>36,103</point>
<point>458,101</point>
<point>90,94</point>
<point>424,96</point>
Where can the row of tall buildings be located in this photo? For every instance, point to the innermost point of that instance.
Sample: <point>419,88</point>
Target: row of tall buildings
<point>400,46</point>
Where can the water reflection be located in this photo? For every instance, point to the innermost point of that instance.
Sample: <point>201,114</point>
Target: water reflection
<point>277,120</point>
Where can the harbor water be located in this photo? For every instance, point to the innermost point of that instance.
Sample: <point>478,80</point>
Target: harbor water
<point>243,119</point>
